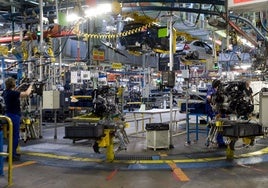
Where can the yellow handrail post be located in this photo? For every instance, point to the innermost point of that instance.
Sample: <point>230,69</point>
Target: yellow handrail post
<point>10,145</point>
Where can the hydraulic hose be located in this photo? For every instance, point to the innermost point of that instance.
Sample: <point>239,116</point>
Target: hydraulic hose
<point>250,24</point>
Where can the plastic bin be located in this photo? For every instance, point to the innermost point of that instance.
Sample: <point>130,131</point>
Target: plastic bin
<point>157,126</point>
<point>84,131</point>
<point>242,130</point>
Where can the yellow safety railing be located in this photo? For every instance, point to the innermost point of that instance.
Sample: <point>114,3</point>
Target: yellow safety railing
<point>10,145</point>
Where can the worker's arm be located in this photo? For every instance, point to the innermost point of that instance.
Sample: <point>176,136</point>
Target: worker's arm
<point>209,98</point>
<point>27,92</point>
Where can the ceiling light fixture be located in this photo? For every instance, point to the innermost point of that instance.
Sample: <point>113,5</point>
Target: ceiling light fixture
<point>98,10</point>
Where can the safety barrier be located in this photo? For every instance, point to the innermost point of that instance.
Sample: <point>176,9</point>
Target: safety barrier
<point>175,124</point>
<point>136,121</point>
<point>6,121</point>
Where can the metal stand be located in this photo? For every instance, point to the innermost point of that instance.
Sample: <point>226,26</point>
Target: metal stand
<point>171,63</point>
<point>187,109</point>
<point>188,141</point>
<point>55,124</point>
<point>9,154</point>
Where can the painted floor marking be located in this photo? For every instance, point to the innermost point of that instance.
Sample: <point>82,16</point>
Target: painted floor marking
<point>163,154</point>
<point>21,164</point>
<point>178,172</point>
<point>48,155</point>
<point>253,168</point>
<point>160,161</point>
<point>113,173</point>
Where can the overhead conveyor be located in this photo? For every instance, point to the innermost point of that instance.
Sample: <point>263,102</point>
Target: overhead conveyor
<point>249,23</point>
<point>25,14</point>
<point>174,5</point>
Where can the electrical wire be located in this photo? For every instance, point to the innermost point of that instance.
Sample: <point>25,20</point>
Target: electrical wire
<point>196,20</point>
<point>262,24</point>
<point>57,52</point>
<point>158,14</point>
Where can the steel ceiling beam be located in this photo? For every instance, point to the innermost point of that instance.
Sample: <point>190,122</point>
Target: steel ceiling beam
<point>214,2</point>
<point>174,9</point>
<point>174,5</point>
<point>164,5</point>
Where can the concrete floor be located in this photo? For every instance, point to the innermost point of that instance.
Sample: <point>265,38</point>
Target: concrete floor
<point>44,176</point>
<point>60,163</point>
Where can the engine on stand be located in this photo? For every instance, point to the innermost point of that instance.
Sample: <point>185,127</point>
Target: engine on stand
<point>233,108</point>
<point>103,124</point>
<point>231,99</point>
<point>105,106</point>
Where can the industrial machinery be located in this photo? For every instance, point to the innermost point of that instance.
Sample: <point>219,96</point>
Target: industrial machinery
<point>104,123</point>
<point>231,98</point>
<point>263,96</point>
<point>30,119</point>
<point>29,125</point>
<point>233,107</point>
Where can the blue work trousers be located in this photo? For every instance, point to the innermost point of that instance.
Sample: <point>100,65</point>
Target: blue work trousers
<point>15,118</point>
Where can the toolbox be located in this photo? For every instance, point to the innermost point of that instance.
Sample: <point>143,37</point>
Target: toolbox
<point>242,129</point>
<point>157,126</point>
<point>84,130</point>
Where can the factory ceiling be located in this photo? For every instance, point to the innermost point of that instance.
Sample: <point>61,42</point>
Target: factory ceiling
<point>23,8</point>
<point>23,12</point>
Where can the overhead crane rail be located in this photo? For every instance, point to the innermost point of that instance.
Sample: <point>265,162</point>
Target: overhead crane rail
<point>30,13</point>
<point>216,2</point>
<point>146,5</point>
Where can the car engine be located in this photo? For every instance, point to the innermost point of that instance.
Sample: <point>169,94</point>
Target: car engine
<point>231,98</point>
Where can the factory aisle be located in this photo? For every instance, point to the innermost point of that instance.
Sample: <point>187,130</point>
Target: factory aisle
<point>44,176</point>
<point>60,163</point>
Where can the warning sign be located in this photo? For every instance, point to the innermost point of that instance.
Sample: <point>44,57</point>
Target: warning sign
<point>117,65</point>
<point>98,55</point>
<point>255,3</point>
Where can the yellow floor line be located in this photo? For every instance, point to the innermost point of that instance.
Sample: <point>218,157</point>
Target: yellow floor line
<point>206,159</point>
<point>162,154</point>
<point>21,164</point>
<point>178,172</point>
<point>48,155</point>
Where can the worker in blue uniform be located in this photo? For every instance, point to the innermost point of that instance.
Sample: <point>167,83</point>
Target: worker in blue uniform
<point>211,112</point>
<point>13,111</point>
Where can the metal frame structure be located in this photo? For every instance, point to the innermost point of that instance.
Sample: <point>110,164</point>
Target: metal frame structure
<point>127,6</point>
<point>174,5</point>
<point>10,144</point>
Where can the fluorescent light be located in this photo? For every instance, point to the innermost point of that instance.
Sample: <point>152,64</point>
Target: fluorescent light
<point>33,2</point>
<point>219,42</point>
<point>98,10</point>
<point>243,66</point>
<point>10,60</point>
<point>72,17</point>
<point>222,33</point>
<point>245,42</point>
<point>128,19</point>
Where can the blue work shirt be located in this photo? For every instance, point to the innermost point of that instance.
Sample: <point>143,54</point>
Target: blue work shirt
<point>12,101</point>
<point>211,91</point>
